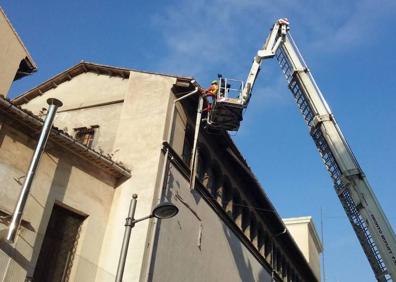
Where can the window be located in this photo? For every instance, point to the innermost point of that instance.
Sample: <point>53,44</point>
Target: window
<point>267,247</point>
<point>260,239</point>
<point>278,260</point>
<point>85,135</point>
<point>286,271</point>
<point>275,258</point>
<point>246,219</point>
<point>59,246</point>
<point>214,182</point>
<point>282,265</point>
<point>236,208</point>
<point>253,229</point>
<point>187,146</point>
<point>202,167</point>
<point>227,198</point>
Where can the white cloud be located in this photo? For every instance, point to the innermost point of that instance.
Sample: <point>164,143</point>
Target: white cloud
<point>344,25</point>
<point>202,38</point>
<point>199,32</point>
<point>202,35</point>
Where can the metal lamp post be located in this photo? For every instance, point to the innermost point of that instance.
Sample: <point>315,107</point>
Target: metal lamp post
<point>161,211</point>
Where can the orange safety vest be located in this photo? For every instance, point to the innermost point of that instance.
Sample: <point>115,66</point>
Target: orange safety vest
<point>213,89</point>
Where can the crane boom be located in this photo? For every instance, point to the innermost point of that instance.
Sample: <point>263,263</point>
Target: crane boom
<point>368,220</point>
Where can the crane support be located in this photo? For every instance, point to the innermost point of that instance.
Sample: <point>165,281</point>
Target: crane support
<point>368,220</point>
<point>274,40</point>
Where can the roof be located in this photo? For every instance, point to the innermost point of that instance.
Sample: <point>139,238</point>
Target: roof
<point>82,67</point>
<point>14,113</point>
<point>27,65</point>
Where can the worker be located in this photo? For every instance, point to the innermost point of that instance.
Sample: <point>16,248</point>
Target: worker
<point>211,93</point>
<point>213,89</point>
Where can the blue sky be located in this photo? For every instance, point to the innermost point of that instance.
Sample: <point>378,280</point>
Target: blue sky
<point>348,45</point>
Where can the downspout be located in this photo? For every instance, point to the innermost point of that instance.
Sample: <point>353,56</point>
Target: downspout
<point>23,196</point>
<point>194,159</point>
<point>170,125</point>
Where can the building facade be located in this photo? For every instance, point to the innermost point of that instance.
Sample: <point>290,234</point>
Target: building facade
<point>120,132</point>
<point>304,233</point>
<point>15,59</point>
<point>69,202</point>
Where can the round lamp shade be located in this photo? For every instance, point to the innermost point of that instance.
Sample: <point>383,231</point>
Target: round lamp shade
<point>165,210</point>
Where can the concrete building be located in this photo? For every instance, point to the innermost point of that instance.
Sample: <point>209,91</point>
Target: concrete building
<point>15,59</point>
<point>74,185</point>
<point>304,233</point>
<point>116,136</point>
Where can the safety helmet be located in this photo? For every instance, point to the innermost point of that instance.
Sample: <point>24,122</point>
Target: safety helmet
<point>214,82</point>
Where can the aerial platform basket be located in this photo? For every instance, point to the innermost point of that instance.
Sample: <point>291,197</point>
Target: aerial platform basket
<point>227,109</point>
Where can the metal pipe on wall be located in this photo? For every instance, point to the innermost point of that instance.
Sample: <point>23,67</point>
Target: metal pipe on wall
<point>129,224</point>
<point>169,133</point>
<point>194,159</point>
<point>54,104</point>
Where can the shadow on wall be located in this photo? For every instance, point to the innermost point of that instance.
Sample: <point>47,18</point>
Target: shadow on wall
<point>239,253</point>
<point>244,267</point>
<point>2,136</point>
<point>56,193</point>
<point>15,255</point>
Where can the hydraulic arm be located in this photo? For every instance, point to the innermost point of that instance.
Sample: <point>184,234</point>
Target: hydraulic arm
<point>368,220</point>
<point>227,111</point>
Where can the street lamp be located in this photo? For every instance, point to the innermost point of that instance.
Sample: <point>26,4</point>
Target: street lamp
<point>161,211</point>
<point>164,211</point>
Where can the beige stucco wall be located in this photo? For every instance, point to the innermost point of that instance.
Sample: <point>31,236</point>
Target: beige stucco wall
<point>307,239</point>
<point>314,256</point>
<point>61,178</point>
<point>197,245</point>
<point>139,138</point>
<point>11,54</point>
<point>84,90</point>
<point>133,129</point>
<point>107,117</point>
<point>132,115</point>
<point>88,99</point>
<point>301,236</point>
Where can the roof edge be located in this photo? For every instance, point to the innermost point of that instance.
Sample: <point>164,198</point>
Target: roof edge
<point>82,67</point>
<point>28,56</point>
<point>311,226</point>
<point>65,140</point>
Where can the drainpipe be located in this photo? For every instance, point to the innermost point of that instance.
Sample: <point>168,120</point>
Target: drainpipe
<point>18,211</point>
<point>193,163</point>
<point>168,136</point>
